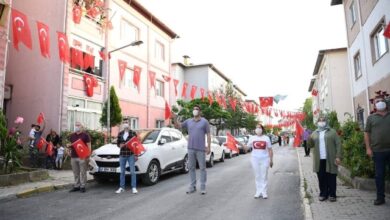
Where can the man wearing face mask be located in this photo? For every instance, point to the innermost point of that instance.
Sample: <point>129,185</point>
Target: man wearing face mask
<point>125,156</point>
<point>377,141</point>
<point>261,160</point>
<point>197,127</point>
<point>79,166</point>
<point>326,158</point>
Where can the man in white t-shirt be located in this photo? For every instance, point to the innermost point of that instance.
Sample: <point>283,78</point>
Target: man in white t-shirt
<point>261,160</point>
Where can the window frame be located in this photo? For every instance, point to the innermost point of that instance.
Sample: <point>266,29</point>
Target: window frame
<point>123,39</point>
<point>85,111</point>
<point>376,34</point>
<point>159,54</point>
<point>160,123</point>
<point>353,14</point>
<point>160,88</point>
<point>358,74</point>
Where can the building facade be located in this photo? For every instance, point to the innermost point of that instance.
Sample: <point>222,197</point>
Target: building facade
<point>5,91</point>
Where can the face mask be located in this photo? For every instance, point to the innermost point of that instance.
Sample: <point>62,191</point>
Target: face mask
<point>380,106</point>
<point>126,126</point>
<point>259,131</point>
<point>195,112</point>
<point>321,124</point>
<point>77,129</point>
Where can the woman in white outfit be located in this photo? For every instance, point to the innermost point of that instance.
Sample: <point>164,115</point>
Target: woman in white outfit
<point>261,160</point>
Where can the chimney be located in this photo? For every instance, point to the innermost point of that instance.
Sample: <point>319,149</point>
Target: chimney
<point>187,60</point>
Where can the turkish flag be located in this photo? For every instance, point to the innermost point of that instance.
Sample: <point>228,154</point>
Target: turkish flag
<point>259,145</point>
<point>89,61</point>
<point>152,76</point>
<point>175,83</point>
<point>90,83</point>
<point>102,55</point>
<point>233,103</point>
<point>41,143</point>
<point>63,47</point>
<point>77,58</point>
<point>40,118</point>
<point>223,100</point>
<point>167,111</point>
<point>387,31</point>
<point>49,149</point>
<point>93,12</point>
<point>202,93</point>
<point>193,91</point>
<point>210,97</point>
<point>314,92</point>
<point>81,149</point>
<point>44,40</point>
<point>135,146</point>
<point>99,3</point>
<point>77,12</point>
<point>137,76</point>
<point>122,65</point>
<point>298,134</point>
<point>166,78</point>
<point>184,90</point>
<point>266,101</point>
<point>219,100</point>
<point>20,29</point>
<point>231,142</point>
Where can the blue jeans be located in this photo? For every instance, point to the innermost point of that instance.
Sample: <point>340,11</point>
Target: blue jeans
<point>381,160</point>
<point>122,163</point>
<point>200,156</point>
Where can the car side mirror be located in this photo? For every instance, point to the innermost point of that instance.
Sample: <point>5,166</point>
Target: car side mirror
<point>162,141</point>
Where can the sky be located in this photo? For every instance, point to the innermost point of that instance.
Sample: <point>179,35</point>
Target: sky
<point>266,47</point>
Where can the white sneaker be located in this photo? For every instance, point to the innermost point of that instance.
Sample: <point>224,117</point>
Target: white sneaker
<point>120,190</point>
<point>134,191</point>
<point>257,195</point>
<point>265,196</point>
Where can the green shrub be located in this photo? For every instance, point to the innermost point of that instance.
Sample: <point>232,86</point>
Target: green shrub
<point>97,138</point>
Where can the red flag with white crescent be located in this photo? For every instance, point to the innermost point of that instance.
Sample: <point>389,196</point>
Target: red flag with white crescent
<point>193,92</point>
<point>266,101</point>
<point>233,103</point>
<point>184,90</point>
<point>20,29</point>
<point>175,83</point>
<point>81,149</point>
<point>210,97</point>
<point>89,61</point>
<point>122,65</point>
<point>40,118</point>
<point>166,78</point>
<point>89,84</point>
<point>167,111</point>
<point>202,93</point>
<point>137,76</point>
<point>77,59</point>
<point>387,31</point>
<point>152,76</point>
<point>77,12</point>
<point>135,146</point>
<point>63,47</point>
<point>44,39</point>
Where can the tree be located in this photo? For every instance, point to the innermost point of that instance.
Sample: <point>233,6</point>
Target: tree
<point>333,120</point>
<point>237,115</point>
<point>115,111</point>
<point>307,109</point>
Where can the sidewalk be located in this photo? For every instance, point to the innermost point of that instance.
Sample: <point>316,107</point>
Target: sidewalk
<point>58,179</point>
<point>351,203</point>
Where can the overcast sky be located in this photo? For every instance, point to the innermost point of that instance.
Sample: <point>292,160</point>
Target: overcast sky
<point>267,47</point>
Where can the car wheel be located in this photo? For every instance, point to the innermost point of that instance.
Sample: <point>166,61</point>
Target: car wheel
<point>210,163</point>
<point>152,174</point>
<point>222,157</point>
<point>230,154</point>
<point>185,168</point>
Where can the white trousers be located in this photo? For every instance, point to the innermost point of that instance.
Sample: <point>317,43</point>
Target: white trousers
<point>260,168</point>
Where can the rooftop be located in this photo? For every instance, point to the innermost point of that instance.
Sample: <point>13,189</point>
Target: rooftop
<point>336,2</point>
<point>320,57</point>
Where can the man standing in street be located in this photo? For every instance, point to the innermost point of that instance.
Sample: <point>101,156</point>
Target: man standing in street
<point>79,165</point>
<point>377,140</point>
<point>305,137</point>
<point>197,127</point>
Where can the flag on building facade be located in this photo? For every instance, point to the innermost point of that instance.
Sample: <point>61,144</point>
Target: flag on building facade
<point>122,65</point>
<point>20,29</point>
<point>77,58</point>
<point>152,77</point>
<point>184,90</point>
<point>137,77</point>
<point>44,39</point>
<point>175,83</point>
<point>193,92</point>
<point>76,14</point>
<point>266,101</point>
<point>167,111</point>
<point>63,47</point>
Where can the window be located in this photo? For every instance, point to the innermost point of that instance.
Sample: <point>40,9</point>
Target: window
<point>89,116</point>
<point>378,41</point>
<point>357,66</point>
<point>160,88</point>
<point>352,13</point>
<point>97,63</point>
<point>360,117</point>
<point>128,79</point>
<point>159,52</point>
<point>166,136</point>
<point>129,32</point>
<point>159,123</point>
<point>133,123</point>
<point>176,136</point>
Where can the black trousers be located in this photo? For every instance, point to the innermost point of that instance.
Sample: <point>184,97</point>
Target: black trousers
<point>307,149</point>
<point>327,181</point>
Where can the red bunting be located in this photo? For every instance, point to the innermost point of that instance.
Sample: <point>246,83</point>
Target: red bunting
<point>63,47</point>
<point>387,31</point>
<point>122,65</point>
<point>184,90</point>
<point>210,96</point>
<point>266,101</point>
<point>175,83</point>
<point>135,146</point>
<point>81,149</point>
<point>77,58</point>
<point>20,29</point>
<point>77,14</point>
<point>193,92</point>
<point>166,78</point>
<point>137,77</point>
<point>152,76</point>
<point>167,111</point>
<point>233,103</point>
<point>202,93</point>
<point>223,101</point>
<point>44,39</point>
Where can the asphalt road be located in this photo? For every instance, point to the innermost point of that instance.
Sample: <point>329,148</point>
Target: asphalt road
<point>230,190</point>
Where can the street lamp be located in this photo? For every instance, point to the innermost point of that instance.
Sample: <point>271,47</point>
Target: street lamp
<point>134,43</point>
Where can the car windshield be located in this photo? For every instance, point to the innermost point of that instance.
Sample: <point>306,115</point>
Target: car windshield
<point>148,137</point>
<point>221,139</point>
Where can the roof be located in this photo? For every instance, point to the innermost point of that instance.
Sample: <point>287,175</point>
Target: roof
<point>242,92</point>
<point>336,2</point>
<point>149,16</point>
<point>320,57</point>
<point>312,81</point>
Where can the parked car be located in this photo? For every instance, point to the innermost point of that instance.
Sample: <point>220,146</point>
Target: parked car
<point>166,151</point>
<point>242,140</point>
<point>222,140</point>
<point>273,138</point>
<point>217,152</point>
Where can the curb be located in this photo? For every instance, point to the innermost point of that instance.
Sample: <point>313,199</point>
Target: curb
<point>308,215</point>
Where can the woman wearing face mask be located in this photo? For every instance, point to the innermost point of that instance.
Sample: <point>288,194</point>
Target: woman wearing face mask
<point>326,158</point>
<point>261,160</point>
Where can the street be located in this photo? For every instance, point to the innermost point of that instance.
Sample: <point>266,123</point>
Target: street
<point>230,190</point>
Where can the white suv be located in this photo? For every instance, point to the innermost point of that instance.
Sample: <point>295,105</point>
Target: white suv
<point>166,151</point>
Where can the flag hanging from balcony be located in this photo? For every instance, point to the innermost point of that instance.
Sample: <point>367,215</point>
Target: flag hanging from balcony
<point>167,111</point>
<point>63,47</point>
<point>166,78</point>
<point>175,83</point>
<point>193,91</point>
<point>135,146</point>
<point>184,90</point>
<point>387,31</point>
<point>223,101</point>
<point>77,13</point>
<point>81,149</point>
<point>89,61</point>
<point>202,93</point>
<point>102,55</point>
<point>20,29</point>
<point>314,92</point>
<point>210,96</point>
<point>152,77</point>
<point>266,101</point>
<point>137,77</point>
<point>40,118</point>
<point>233,103</point>
<point>44,39</point>
<point>77,58</point>
<point>90,83</point>
<point>122,65</point>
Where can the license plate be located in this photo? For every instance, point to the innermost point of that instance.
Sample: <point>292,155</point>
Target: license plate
<point>107,169</point>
